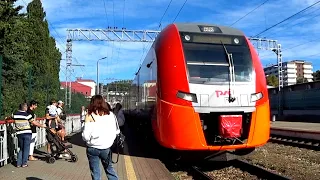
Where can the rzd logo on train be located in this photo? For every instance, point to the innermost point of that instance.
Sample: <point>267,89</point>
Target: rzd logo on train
<point>222,93</point>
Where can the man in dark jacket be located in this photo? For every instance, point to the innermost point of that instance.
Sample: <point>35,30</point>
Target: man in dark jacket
<point>32,106</point>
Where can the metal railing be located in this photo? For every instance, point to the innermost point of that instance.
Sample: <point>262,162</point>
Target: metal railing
<point>9,141</point>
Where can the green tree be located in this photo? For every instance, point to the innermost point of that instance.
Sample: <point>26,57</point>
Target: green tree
<point>272,80</point>
<point>301,80</point>
<point>43,55</point>
<point>316,76</point>
<point>122,85</point>
<point>29,55</point>
<point>77,100</point>
<point>13,47</point>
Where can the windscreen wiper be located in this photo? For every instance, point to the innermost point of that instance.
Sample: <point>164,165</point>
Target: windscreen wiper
<point>232,77</point>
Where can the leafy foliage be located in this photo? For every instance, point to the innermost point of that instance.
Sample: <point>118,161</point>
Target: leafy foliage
<point>123,85</point>
<point>31,61</point>
<point>301,80</point>
<point>272,80</point>
<point>316,76</point>
<point>77,101</point>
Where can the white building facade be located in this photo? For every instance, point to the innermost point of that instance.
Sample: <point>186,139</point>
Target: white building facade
<point>291,71</point>
<point>88,82</point>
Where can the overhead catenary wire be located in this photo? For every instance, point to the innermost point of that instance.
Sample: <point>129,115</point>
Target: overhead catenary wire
<point>150,43</point>
<point>287,19</point>
<point>164,13</point>
<point>288,25</point>
<point>249,13</point>
<point>105,11</point>
<point>161,24</point>
<point>179,11</point>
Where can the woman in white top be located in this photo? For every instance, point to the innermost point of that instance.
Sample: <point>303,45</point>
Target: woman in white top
<point>99,133</point>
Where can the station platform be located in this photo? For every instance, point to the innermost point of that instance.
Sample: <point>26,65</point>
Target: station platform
<point>134,163</point>
<point>299,126</point>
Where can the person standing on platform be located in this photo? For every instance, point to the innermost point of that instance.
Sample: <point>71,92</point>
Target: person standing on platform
<point>32,106</point>
<point>22,120</point>
<point>118,111</point>
<point>99,133</point>
<point>61,112</point>
<point>62,120</point>
<point>83,114</point>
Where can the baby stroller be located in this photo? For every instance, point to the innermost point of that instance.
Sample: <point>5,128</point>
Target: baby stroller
<point>58,147</point>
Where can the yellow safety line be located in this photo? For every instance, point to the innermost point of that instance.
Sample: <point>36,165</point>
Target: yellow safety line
<point>129,168</point>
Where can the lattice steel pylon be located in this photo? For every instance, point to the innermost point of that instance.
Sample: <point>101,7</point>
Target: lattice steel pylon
<point>120,35</point>
<point>68,75</point>
<point>268,44</point>
<point>123,35</point>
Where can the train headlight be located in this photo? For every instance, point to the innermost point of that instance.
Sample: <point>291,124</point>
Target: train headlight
<point>187,37</point>
<point>236,40</point>
<point>187,96</point>
<point>256,96</point>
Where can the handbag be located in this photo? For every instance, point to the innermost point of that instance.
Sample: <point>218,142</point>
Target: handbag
<point>118,143</point>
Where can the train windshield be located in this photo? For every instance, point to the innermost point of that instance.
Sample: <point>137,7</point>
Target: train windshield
<point>207,63</point>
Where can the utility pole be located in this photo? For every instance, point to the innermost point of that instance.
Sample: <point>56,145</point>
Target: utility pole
<point>98,86</point>
<point>68,85</point>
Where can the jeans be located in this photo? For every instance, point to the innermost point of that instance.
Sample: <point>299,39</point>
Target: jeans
<point>94,155</point>
<point>24,146</point>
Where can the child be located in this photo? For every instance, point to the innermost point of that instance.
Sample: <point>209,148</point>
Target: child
<point>53,113</point>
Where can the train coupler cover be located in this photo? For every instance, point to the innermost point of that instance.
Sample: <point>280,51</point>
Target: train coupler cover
<point>230,126</point>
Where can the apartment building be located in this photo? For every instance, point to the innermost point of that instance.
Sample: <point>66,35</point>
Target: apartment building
<point>291,71</point>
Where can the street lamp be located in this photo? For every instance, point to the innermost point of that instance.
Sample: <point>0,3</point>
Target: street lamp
<point>278,52</point>
<point>97,91</point>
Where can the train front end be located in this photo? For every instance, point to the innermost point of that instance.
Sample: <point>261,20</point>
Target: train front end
<point>212,93</point>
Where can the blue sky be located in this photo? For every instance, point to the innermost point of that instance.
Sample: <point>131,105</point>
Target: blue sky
<point>299,36</point>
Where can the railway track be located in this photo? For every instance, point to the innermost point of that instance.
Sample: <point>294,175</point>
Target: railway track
<point>258,171</point>
<point>297,138</point>
<point>196,173</point>
<point>297,142</point>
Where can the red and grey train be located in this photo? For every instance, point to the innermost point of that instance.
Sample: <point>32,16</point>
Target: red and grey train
<point>204,89</point>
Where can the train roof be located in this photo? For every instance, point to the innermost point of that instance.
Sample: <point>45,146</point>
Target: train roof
<point>195,27</point>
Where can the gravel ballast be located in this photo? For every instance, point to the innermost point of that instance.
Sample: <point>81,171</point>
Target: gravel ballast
<point>294,162</point>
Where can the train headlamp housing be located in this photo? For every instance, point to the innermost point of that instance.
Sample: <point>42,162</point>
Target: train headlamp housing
<point>187,37</point>
<point>187,96</point>
<point>236,40</point>
<point>256,96</point>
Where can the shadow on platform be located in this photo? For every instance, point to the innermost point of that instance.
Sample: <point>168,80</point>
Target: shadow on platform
<point>33,178</point>
<point>140,144</point>
<point>41,155</point>
<point>76,139</point>
<point>136,144</point>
